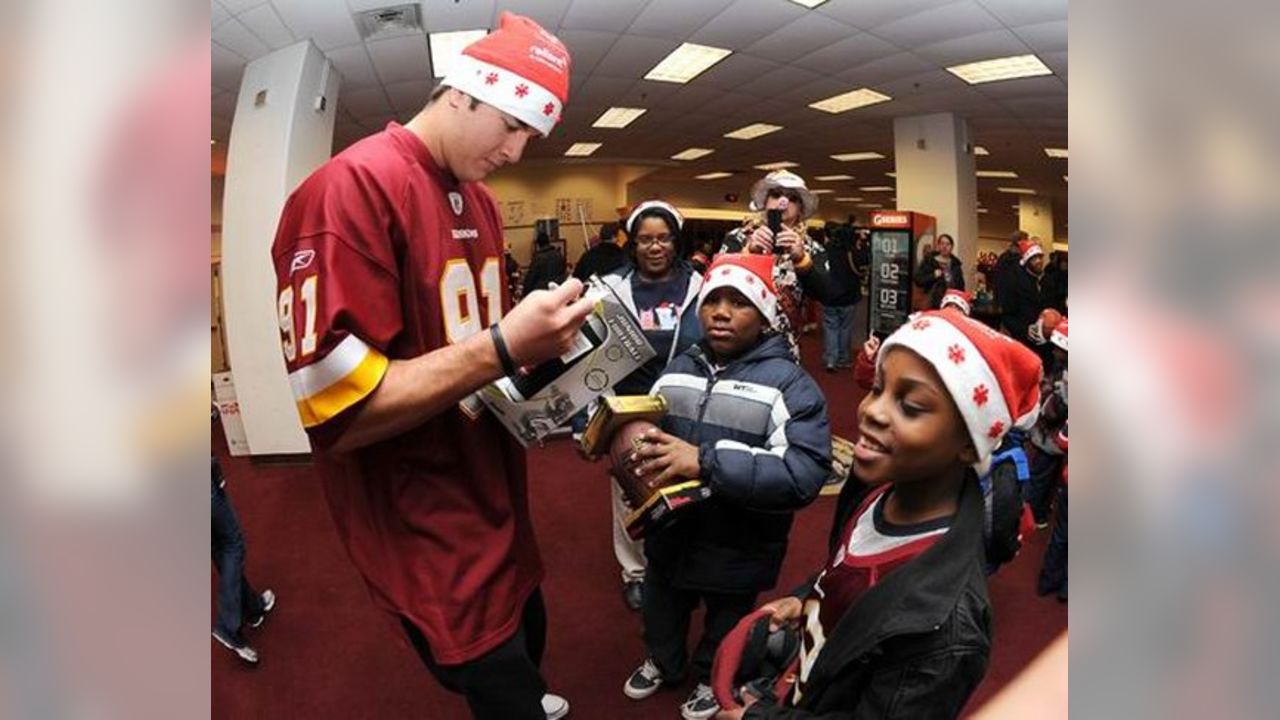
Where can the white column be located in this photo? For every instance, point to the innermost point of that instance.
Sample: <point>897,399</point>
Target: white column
<point>1035,216</point>
<point>933,159</point>
<point>283,130</point>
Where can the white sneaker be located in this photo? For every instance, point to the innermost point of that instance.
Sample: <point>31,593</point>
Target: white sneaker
<point>644,682</point>
<point>554,706</point>
<point>268,602</point>
<point>239,647</point>
<point>701,704</point>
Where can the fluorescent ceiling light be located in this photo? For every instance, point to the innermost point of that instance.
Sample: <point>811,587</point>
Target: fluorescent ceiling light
<point>618,117</point>
<point>848,199</point>
<point>447,46</point>
<point>876,188</point>
<point>849,157</point>
<point>832,178</point>
<point>780,165</point>
<point>870,205</point>
<point>1017,190</point>
<point>692,153</point>
<point>1005,68</point>
<point>713,176</point>
<point>892,175</point>
<point>754,130</point>
<point>982,211</point>
<point>582,149</point>
<point>213,142</point>
<point>979,150</point>
<point>821,191</point>
<point>851,100</point>
<point>1056,152</point>
<point>997,174</point>
<point>1064,178</point>
<point>686,62</point>
<point>809,3</point>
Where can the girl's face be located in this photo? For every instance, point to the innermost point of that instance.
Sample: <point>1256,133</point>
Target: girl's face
<point>910,428</point>
<point>655,247</point>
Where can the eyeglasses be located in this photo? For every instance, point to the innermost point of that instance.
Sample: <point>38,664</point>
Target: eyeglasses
<point>790,196</point>
<point>648,240</point>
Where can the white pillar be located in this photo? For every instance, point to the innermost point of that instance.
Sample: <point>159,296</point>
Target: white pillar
<point>933,159</point>
<point>283,130</point>
<point>1035,216</point>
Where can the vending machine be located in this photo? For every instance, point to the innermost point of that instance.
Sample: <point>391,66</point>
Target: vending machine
<point>898,240</point>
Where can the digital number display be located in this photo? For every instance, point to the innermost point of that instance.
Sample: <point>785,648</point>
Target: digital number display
<point>890,280</point>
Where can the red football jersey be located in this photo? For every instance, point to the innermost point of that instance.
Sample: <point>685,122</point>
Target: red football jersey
<point>381,255</point>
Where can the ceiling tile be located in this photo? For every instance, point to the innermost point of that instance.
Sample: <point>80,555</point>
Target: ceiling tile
<point>234,36</point>
<point>1026,12</point>
<point>263,22</point>
<point>602,16</point>
<point>734,71</point>
<point>1057,62</point>
<point>352,62</point>
<point>586,48</point>
<point>367,102</point>
<point>450,15</point>
<point>1024,87</point>
<point>847,53</point>
<point>778,82</point>
<point>226,68</point>
<point>546,13</point>
<point>865,14</point>
<point>971,48</point>
<point>809,31</point>
<point>745,22</point>
<point>879,72</point>
<point>1045,37</point>
<point>217,14</point>
<point>409,96</point>
<point>235,7</point>
<point>402,58</point>
<point>328,25</point>
<point>938,24</point>
<point>633,56</point>
<point>905,88</point>
<point>675,18</point>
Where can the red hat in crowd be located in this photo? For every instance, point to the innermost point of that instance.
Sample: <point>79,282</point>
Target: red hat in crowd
<point>1059,335</point>
<point>751,275</point>
<point>993,379</point>
<point>519,69</point>
<point>1028,250</point>
<point>958,299</point>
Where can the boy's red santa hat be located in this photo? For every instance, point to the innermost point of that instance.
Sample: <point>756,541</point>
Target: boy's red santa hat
<point>751,275</point>
<point>1059,335</point>
<point>519,69</point>
<point>959,299</point>
<point>1028,250</point>
<point>993,379</point>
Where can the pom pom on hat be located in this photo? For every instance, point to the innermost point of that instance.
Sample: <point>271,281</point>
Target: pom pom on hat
<point>519,69</point>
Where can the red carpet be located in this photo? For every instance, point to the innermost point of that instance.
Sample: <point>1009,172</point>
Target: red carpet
<point>327,653</point>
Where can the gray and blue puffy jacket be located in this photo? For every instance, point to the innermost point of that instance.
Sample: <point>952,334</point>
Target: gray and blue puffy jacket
<point>764,447</point>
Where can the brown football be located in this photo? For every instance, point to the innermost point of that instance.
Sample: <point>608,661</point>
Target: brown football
<point>625,441</point>
<point>1049,319</point>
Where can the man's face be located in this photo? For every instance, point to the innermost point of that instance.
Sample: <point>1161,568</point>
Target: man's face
<point>730,322</point>
<point>485,138</point>
<point>1036,264</point>
<point>791,215</point>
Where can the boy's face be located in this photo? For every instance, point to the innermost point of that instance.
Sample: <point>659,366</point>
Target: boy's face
<point>909,425</point>
<point>730,322</point>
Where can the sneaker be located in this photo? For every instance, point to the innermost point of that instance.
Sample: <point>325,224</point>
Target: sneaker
<point>1042,524</point>
<point>701,704</point>
<point>554,706</point>
<point>268,602</point>
<point>237,646</point>
<point>644,682</point>
<point>633,595</point>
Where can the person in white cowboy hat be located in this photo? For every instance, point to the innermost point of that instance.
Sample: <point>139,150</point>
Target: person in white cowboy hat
<point>801,268</point>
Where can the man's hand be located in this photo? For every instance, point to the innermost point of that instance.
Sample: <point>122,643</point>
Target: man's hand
<point>791,243</point>
<point>871,347</point>
<point>783,612</point>
<point>544,324</point>
<point>761,241</point>
<point>668,454</point>
<point>748,699</point>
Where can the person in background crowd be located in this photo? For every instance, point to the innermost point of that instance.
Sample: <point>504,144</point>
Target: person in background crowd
<point>513,273</point>
<point>941,271</point>
<point>1024,298</point>
<point>546,267</point>
<point>702,255</point>
<point>845,292</point>
<point>238,603</point>
<point>603,257</point>
<point>1006,273</point>
<point>1055,282</point>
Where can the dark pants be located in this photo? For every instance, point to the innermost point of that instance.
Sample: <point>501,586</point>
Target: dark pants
<point>1045,471</point>
<point>237,599</point>
<point>505,682</point>
<point>837,335</point>
<point>666,613</point>
<point>1053,575</point>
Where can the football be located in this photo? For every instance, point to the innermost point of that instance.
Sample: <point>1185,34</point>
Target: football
<point>1049,319</point>
<point>629,437</point>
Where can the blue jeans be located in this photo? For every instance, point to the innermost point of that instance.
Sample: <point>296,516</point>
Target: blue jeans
<point>837,335</point>
<point>236,598</point>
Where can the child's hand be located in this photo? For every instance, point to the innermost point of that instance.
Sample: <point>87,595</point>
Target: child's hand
<point>668,455</point>
<point>871,347</point>
<point>785,611</point>
<point>748,700</point>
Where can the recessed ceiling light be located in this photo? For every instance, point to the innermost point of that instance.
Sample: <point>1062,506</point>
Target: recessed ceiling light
<point>809,3</point>
<point>1017,190</point>
<point>582,149</point>
<point>979,150</point>
<point>833,178</point>
<point>821,191</point>
<point>618,117</point>
<point>447,46</point>
<point>892,175</point>
<point>1064,178</point>
<point>849,157</point>
<point>870,205</point>
<point>848,199</point>
<point>213,142</point>
<point>997,174</point>
<point>1056,152</point>
<point>692,153</point>
<point>876,188</point>
<point>1006,68</point>
<point>686,62</point>
<point>780,165</point>
<point>982,211</point>
<point>753,130</point>
<point>851,100</point>
<point>713,176</point>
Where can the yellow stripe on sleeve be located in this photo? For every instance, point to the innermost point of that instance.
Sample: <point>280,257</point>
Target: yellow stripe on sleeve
<point>345,392</point>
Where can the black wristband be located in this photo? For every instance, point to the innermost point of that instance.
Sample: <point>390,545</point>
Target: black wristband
<point>508,365</point>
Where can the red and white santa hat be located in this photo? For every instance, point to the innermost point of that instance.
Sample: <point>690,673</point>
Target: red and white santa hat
<point>519,69</point>
<point>958,299</point>
<point>993,379</point>
<point>751,275</point>
<point>1028,250</point>
<point>1059,335</point>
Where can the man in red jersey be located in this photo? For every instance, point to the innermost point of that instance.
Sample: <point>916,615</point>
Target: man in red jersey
<point>391,297</point>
